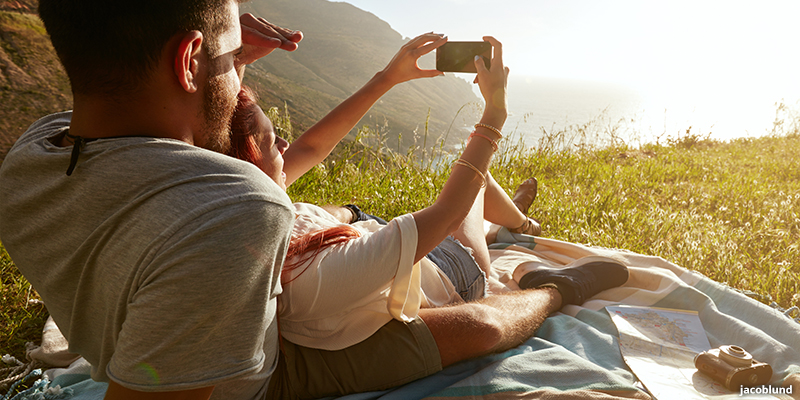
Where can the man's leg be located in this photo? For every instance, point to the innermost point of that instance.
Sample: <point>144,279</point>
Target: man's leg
<point>396,354</point>
<point>493,324</point>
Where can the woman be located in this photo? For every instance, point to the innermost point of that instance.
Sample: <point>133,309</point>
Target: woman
<point>339,280</point>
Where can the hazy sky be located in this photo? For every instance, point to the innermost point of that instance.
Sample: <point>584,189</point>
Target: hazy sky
<point>714,52</point>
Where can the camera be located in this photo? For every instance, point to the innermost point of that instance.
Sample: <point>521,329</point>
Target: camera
<point>460,56</point>
<point>733,367</point>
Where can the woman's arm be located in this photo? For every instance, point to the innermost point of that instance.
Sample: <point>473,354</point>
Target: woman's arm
<point>462,187</point>
<point>316,143</point>
<point>259,38</point>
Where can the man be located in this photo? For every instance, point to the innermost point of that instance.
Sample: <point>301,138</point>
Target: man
<point>158,259</point>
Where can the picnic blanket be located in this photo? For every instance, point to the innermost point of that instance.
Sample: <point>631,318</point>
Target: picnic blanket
<point>575,354</point>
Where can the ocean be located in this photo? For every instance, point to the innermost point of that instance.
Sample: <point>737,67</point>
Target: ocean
<point>604,110</point>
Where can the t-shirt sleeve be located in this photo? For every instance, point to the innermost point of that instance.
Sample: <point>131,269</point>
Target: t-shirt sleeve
<point>199,310</point>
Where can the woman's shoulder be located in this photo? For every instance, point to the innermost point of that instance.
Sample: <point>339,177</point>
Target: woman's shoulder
<point>313,211</point>
<point>310,218</point>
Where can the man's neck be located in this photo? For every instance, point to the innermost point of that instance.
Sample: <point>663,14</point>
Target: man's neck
<point>149,113</point>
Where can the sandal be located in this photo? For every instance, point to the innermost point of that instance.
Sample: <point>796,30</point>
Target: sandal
<point>525,194</point>
<point>529,227</point>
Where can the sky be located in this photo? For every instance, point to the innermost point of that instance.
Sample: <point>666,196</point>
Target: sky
<point>716,53</point>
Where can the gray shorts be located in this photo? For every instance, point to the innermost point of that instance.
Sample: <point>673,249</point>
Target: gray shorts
<point>396,354</point>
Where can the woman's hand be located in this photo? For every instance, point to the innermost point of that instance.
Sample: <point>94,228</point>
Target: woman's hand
<point>260,37</point>
<point>404,67</point>
<point>492,83</point>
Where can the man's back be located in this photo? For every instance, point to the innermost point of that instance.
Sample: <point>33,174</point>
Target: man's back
<point>159,256</point>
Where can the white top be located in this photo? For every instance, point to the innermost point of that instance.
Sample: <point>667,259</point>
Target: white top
<point>346,293</point>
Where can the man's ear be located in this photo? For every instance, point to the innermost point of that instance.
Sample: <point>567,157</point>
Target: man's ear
<point>186,60</point>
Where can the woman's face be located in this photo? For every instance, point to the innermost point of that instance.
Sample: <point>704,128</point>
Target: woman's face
<point>272,148</point>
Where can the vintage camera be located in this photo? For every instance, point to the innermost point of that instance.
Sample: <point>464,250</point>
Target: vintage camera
<point>733,367</point>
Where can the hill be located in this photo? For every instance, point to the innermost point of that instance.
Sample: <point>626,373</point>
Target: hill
<point>32,81</point>
<point>343,48</point>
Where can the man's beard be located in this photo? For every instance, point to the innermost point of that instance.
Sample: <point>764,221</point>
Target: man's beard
<point>217,111</point>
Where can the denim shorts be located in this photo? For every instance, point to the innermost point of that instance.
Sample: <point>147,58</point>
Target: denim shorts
<point>452,258</point>
<point>457,263</point>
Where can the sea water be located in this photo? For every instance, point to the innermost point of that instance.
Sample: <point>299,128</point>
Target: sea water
<point>539,106</point>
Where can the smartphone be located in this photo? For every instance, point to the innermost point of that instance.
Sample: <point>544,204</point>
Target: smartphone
<point>460,56</point>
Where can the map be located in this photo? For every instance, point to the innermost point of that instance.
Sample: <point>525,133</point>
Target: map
<point>659,346</point>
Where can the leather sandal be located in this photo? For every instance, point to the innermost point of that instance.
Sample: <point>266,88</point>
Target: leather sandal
<point>529,227</point>
<point>525,194</point>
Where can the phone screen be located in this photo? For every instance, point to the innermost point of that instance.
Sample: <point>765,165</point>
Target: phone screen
<point>460,56</point>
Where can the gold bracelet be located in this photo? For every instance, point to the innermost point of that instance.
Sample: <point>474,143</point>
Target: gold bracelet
<point>466,163</point>
<point>491,128</point>
<point>492,141</point>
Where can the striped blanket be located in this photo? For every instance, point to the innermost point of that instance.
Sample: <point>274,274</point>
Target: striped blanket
<point>575,354</point>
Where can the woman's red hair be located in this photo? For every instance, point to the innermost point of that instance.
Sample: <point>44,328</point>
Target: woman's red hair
<point>245,145</point>
<point>304,249</point>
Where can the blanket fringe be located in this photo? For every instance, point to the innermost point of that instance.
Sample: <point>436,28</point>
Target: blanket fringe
<point>792,313</point>
<point>17,374</point>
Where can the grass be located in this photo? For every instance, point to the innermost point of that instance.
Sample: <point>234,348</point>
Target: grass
<point>728,210</point>
<point>22,315</point>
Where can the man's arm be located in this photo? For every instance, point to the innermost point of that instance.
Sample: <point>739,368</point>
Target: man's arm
<point>118,392</point>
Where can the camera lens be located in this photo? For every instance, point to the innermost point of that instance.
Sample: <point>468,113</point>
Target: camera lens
<point>735,355</point>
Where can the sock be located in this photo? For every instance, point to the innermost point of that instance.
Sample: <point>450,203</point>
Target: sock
<point>565,291</point>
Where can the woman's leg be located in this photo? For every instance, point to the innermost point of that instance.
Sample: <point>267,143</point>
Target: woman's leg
<point>502,210</point>
<point>499,208</point>
<point>494,205</point>
<point>470,233</point>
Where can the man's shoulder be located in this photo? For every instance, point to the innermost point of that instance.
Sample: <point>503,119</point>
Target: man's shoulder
<point>155,176</point>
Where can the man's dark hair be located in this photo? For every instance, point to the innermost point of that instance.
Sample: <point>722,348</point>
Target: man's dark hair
<point>111,46</point>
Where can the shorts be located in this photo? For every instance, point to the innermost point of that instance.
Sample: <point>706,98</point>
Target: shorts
<point>452,258</point>
<point>457,263</point>
<point>396,354</point>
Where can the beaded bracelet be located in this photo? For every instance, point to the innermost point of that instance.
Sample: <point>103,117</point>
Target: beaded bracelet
<point>491,128</point>
<point>492,141</point>
<point>466,163</point>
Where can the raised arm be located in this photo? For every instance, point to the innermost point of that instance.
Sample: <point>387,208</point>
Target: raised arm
<point>317,143</point>
<point>467,177</point>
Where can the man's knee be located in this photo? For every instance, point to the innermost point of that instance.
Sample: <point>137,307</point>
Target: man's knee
<point>485,327</point>
<point>464,331</point>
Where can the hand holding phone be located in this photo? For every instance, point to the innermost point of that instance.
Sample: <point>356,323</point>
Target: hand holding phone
<point>460,56</point>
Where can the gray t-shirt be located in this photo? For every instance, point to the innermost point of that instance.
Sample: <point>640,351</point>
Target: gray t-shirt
<point>158,260</point>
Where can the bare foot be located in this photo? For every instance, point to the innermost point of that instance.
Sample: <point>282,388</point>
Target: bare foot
<point>525,194</point>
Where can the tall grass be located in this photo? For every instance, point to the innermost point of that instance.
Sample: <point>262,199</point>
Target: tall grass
<point>726,209</point>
